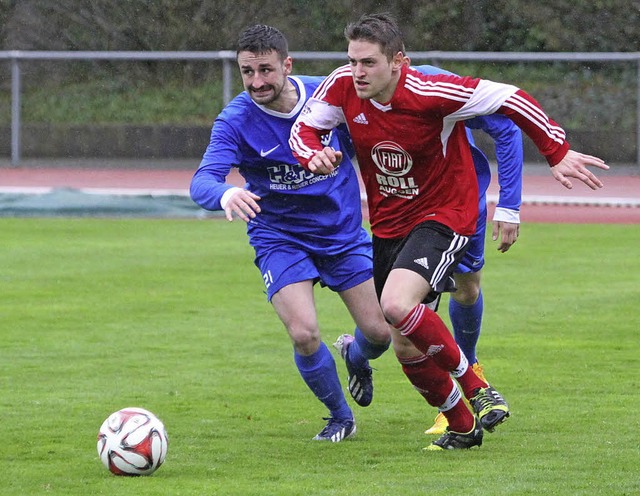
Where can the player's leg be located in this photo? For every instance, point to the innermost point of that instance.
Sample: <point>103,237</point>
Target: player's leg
<point>427,332</point>
<point>408,284</point>
<point>351,276</point>
<point>466,304</point>
<point>436,386</point>
<point>465,312</point>
<point>289,275</point>
<point>362,302</point>
<point>425,264</point>
<point>295,306</point>
<point>370,340</point>
<point>466,307</point>
<point>405,273</point>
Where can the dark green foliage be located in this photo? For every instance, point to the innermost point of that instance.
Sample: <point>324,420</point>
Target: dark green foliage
<point>495,25</point>
<point>577,95</point>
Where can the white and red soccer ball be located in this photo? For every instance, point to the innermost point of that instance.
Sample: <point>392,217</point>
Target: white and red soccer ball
<point>132,441</point>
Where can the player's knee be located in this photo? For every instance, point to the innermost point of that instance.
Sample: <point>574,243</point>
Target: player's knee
<point>306,340</point>
<point>466,294</point>
<point>393,309</point>
<point>378,333</point>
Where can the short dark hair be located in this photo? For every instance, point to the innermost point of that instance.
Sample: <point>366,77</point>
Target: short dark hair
<point>377,28</point>
<point>263,39</point>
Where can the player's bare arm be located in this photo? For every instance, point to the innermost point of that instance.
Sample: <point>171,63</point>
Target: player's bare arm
<point>324,162</point>
<point>243,203</point>
<point>574,164</point>
<point>508,233</point>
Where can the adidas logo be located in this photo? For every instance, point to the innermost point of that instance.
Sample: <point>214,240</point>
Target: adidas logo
<point>360,119</point>
<point>434,348</point>
<point>422,261</point>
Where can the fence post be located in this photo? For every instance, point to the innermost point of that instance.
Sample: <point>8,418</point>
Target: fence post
<point>226,81</point>
<point>638,120</point>
<point>15,112</point>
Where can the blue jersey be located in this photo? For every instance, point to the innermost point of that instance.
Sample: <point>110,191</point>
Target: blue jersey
<point>509,156</point>
<point>323,213</point>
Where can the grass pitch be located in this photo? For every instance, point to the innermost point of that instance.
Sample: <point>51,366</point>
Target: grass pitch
<point>97,315</point>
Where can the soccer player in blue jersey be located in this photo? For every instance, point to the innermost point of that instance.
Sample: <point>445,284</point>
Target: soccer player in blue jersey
<point>304,228</point>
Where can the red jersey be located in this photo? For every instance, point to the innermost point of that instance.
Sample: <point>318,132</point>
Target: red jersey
<point>413,153</point>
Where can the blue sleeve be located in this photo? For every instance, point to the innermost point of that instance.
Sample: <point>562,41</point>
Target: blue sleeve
<point>431,69</point>
<point>509,156</point>
<point>208,183</point>
<point>346,145</point>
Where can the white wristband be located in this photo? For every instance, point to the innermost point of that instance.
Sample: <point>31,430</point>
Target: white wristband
<point>502,214</point>
<point>228,194</point>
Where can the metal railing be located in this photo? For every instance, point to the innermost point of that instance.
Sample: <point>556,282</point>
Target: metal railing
<point>228,57</point>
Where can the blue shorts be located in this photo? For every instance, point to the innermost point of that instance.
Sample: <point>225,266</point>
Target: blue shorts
<point>283,261</point>
<point>473,259</point>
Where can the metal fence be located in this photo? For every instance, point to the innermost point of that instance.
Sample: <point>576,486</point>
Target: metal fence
<point>227,59</point>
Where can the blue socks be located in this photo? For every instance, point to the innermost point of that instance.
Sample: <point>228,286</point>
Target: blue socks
<point>320,374</point>
<point>467,321</point>
<point>362,350</point>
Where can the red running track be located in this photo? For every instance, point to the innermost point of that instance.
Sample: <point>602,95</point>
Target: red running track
<point>544,199</point>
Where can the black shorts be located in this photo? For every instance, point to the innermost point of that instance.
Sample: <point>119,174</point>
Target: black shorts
<point>431,249</point>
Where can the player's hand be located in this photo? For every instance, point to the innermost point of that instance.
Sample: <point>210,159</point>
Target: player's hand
<point>509,231</point>
<point>244,204</point>
<point>326,161</point>
<point>574,164</point>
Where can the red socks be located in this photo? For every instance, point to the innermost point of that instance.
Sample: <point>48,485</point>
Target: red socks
<point>426,330</point>
<point>436,386</point>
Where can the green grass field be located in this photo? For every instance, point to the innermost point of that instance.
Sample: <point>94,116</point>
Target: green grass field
<point>169,315</point>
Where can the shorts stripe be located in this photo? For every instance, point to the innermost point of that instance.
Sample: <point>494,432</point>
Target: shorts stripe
<point>448,258</point>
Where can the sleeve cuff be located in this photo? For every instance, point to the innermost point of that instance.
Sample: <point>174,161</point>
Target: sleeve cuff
<point>227,194</point>
<point>558,155</point>
<point>502,214</point>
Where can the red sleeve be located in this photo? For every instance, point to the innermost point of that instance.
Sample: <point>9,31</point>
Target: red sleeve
<point>321,114</point>
<point>547,135</point>
<point>302,133</point>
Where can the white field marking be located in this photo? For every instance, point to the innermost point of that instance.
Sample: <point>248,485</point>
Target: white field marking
<point>596,201</point>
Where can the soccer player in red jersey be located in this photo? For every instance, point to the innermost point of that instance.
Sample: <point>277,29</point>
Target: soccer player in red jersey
<point>422,195</point>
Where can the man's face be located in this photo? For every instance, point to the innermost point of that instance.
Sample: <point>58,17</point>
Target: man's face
<point>374,77</point>
<point>264,75</point>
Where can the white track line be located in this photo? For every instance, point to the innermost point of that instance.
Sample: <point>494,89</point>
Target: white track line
<point>595,201</point>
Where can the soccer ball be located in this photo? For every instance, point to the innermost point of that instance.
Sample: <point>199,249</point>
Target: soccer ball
<point>132,441</point>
